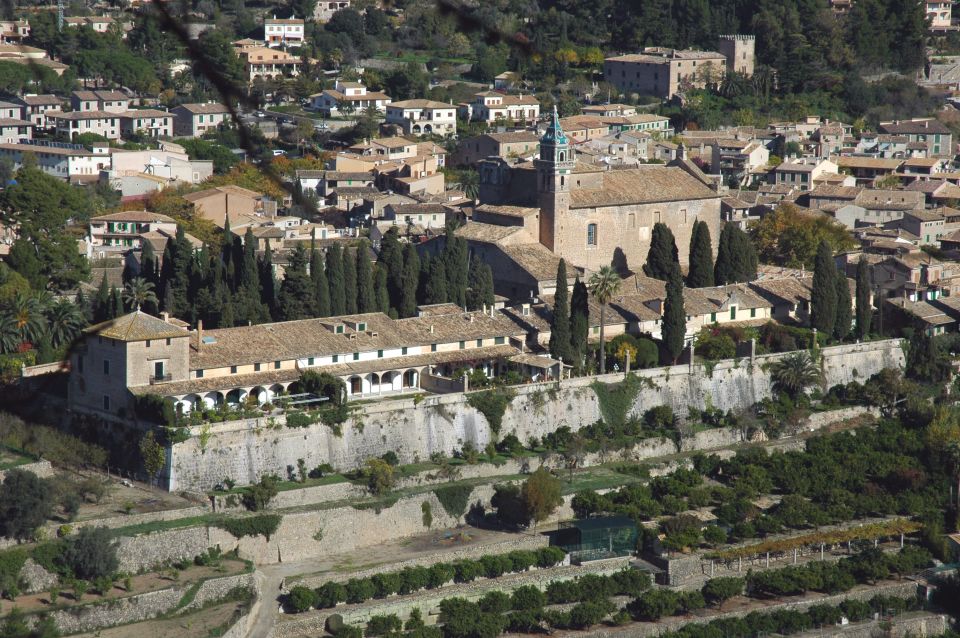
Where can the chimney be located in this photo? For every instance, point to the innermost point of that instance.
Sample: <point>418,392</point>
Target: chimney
<point>199,333</point>
<point>165,316</point>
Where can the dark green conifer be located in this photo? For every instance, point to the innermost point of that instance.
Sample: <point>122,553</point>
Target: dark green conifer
<point>674,324</point>
<point>349,282</point>
<point>579,322</point>
<point>700,274</point>
<point>662,254</point>
<point>409,282</point>
<point>338,303</point>
<point>823,296</point>
<point>864,307</point>
<point>321,291</point>
<point>560,341</point>
<point>841,327</point>
<point>366,301</point>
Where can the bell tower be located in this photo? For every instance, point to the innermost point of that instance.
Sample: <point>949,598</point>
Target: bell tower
<point>554,171</point>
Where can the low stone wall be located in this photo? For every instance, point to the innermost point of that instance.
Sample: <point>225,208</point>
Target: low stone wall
<point>132,609</point>
<point>42,469</point>
<point>529,541</point>
<point>245,450</point>
<point>312,623</point>
<point>146,551</point>
<point>129,520</point>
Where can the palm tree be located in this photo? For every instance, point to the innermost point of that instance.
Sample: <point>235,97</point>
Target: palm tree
<point>603,285</point>
<point>27,312</point>
<point>65,322</point>
<point>139,291</point>
<point>9,334</point>
<point>794,373</point>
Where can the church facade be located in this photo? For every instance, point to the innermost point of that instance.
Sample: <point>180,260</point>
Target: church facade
<point>594,215</point>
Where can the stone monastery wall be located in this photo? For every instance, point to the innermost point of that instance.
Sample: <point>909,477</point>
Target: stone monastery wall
<point>245,450</point>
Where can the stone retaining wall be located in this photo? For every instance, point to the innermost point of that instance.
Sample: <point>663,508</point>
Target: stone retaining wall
<point>140,607</point>
<point>42,469</point>
<point>146,551</point>
<point>245,450</point>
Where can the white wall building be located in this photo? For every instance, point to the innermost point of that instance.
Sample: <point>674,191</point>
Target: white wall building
<point>347,96</point>
<point>422,117</point>
<point>67,161</point>
<point>279,32</point>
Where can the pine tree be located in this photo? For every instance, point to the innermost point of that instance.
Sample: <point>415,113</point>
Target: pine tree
<point>560,323</point>
<point>823,296</point>
<point>579,322</point>
<point>662,254</point>
<point>841,327</point>
<point>295,299</point>
<point>674,324</point>
<point>436,288</point>
<point>366,301</point>
<point>864,308</point>
<point>409,282</point>
<point>338,303</point>
<point>349,282</point>
<point>700,274</point>
<point>381,290</point>
<point>321,292</point>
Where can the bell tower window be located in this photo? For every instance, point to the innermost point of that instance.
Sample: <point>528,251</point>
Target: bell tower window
<point>591,234</point>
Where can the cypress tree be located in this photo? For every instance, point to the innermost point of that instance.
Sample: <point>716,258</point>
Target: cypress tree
<point>84,306</point>
<point>485,285</point>
<point>249,276</point>
<point>674,324</point>
<point>102,309</point>
<point>268,283</point>
<point>823,296</point>
<point>700,274</point>
<point>338,303</point>
<point>228,252</point>
<point>744,256</point>
<point>841,327</point>
<point>148,263</point>
<point>321,292</point>
<point>392,256</point>
<point>864,309</point>
<point>456,261</point>
<point>436,288</point>
<point>723,268</point>
<point>366,301</point>
<point>227,314</point>
<point>117,300</point>
<point>295,299</point>
<point>480,290</point>
<point>381,292</point>
<point>560,322</point>
<point>180,275</point>
<point>579,322</point>
<point>349,282</point>
<point>410,279</point>
<point>662,254</point>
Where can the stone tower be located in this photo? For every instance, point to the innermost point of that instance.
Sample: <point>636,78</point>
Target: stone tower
<point>554,172</point>
<point>740,51</point>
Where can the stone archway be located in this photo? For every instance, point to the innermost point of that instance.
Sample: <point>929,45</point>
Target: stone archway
<point>236,396</point>
<point>212,399</point>
<point>411,379</point>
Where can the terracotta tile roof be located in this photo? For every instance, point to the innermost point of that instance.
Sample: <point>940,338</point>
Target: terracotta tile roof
<point>534,258</point>
<point>508,211</point>
<point>489,233</point>
<point>205,108</point>
<point>136,326</point>
<point>140,216</point>
<point>420,104</point>
<point>647,184</point>
<point>513,137</point>
<point>107,96</point>
<point>41,100</point>
<point>919,127</point>
<point>880,163</point>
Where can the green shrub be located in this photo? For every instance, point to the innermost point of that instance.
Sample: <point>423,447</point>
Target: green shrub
<point>454,498</point>
<point>301,598</point>
<point>590,613</point>
<point>91,553</point>
<point>329,594</point>
<point>299,419</point>
<point>155,409</point>
<point>521,560</point>
<point>383,625</point>
<point>660,417</point>
<point>256,497</point>
<point>360,590</point>
<point>527,597</point>
<point>386,584</point>
<point>492,404</point>
<point>439,575</point>
<point>495,602</point>
<point>550,556</point>
<point>466,571</point>
<point>11,562</point>
<point>413,579</point>
<point>262,525</point>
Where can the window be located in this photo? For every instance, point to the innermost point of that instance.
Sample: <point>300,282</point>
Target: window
<point>433,347</point>
<point>463,344</point>
<point>106,367</point>
<point>158,369</point>
<point>256,367</point>
<point>106,402</point>
<point>310,361</point>
<point>276,365</point>
<point>199,374</point>
<point>361,326</point>
<point>339,330</point>
<point>168,341</point>
<point>403,350</point>
<point>753,313</point>
<point>713,317</point>
<point>733,312</point>
<point>479,343</point>
<point>148,343</point>
<point>336,358</point>
<point>596,329</point>
<point>233,369</point>
<point>631,220</point>
<point>356,356</point>
<point>499,340</point>
<point>591,234</point>
<point>379,354</point>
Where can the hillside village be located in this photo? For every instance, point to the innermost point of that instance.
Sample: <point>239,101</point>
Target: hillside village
<point>362,318</point>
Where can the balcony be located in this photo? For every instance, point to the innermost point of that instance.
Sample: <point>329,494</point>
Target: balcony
<point>163,378</point>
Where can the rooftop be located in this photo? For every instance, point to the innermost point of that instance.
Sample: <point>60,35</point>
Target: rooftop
<point>136,326</point>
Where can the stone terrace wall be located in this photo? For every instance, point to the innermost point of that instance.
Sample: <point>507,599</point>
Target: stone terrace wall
<point>142,553</point>
<point>245,450</point>
<point>42,469</point>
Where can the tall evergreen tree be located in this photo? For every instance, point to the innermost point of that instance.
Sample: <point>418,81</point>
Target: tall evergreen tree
<point>736,257</point>
<point>295,299</point>
<point>674,324</point>
<point>560,322</point>
<point>268,282</point>
<point>392,257</point>
<point>180,273</point>
<point>662,254</point>
<point>864,307</point>
<point>148,264</point>
<point>723,269</point>
<point>366,301</point>
<point>480,285</point>
<point>456,262</point>
<point>579,322</point>
<point>321,291</point>
<point>249,277</point>
<point>700,274</point>
<point>381,291</point>
<point>102,303</point>
<point>349,282</point>
<point>229,265</point>
<point>436,288</point>
<point>338,301</point>
<point>745,256</point>
<point>844,317</point>
<point>117,301</point>
<point>409,282</point>
<point>823,296</point>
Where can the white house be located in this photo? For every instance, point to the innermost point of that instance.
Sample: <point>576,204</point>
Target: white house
<point>151,122</point>
<point>348,96</point>
<point>491,106</point>
<point>416,117</point>
<point>71,162</point>
<point>283,31</point>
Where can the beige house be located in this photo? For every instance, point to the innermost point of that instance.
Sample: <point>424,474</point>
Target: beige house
<point>517,144</point>
<point>70,162</point>
<point>119,232</point>
<point>491,106</point>
<point>217,203</point>
<point>348,97</point>
<point>149,122</point>
<point>266,63</point>
<point>193,120</point>
<point>939,14</point>
<point>803,173</point>
<point>35,108</point>
<point>109,101</point>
